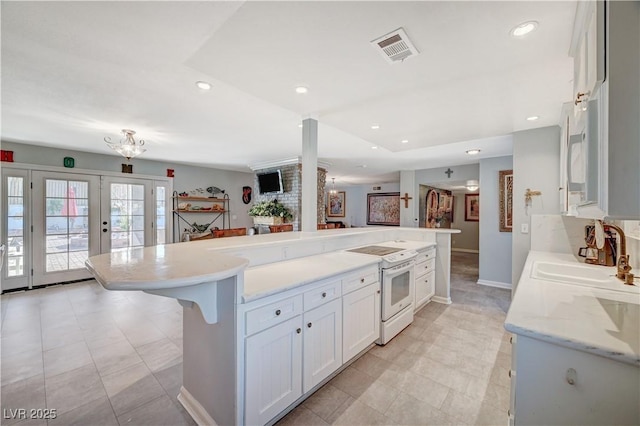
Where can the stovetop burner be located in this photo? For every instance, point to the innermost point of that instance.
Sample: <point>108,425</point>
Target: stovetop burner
<point>376,250</point>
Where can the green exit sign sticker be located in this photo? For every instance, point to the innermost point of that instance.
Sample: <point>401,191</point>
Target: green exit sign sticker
<point>69,162</point>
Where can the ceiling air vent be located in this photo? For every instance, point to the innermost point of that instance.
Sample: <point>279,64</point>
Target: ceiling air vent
<point>395,46</point>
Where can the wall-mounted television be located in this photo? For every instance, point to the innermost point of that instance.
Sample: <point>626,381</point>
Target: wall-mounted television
<point>270,183</point>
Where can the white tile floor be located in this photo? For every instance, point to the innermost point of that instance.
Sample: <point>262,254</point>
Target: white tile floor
<point>109,358</point>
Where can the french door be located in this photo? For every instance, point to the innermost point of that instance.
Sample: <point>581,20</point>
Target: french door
<point>126,219</point>
<point>53,221</point>
<point>65,225</point>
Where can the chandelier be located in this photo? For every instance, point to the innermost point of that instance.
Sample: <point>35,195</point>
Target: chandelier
<point>127,146</point>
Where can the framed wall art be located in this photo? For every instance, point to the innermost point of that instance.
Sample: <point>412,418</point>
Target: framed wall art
<point>383,209</point>
<point>505,181</point>
<point>472,207</point>
<point>336,204</point>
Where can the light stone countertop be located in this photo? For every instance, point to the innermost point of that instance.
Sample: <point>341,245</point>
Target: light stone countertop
<point>266,280</point>
<point>603,321</point>
<point>162,267</point>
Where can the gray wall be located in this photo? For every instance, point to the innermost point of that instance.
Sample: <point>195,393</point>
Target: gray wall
<point>437,175</point>
<point>356,209</point>
<point>468,237</point>
<point>495,246</point>
<point>536,165</point>
<point>186,177</point>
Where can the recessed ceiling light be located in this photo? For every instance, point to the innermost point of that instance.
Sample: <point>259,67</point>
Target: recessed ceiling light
<point>524,28</point>
<point>374,147</point>
<point>363,166</point>
<point>302,89</point>
<point>404,141</point>
<point>473,151</point>
<point>203,85</point>
<point>375,126</point>
<point>532,118</point>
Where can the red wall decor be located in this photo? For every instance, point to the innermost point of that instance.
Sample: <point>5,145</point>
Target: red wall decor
<point>170,173</point>
<point>6,156</point>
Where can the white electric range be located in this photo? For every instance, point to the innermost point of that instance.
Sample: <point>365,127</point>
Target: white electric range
<point>396,278</point>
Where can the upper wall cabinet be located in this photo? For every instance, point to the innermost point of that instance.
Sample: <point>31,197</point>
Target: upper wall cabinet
<point>601,138</point>
<point>588,51</point>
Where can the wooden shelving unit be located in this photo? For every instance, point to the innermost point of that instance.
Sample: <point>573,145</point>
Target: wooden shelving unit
<point>215,207</point>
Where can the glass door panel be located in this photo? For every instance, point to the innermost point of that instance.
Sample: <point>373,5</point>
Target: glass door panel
<point>16,270</point>
<point>127,216</point>
<point>64,235</point>
<point>161,215</point>
<point>67,219</point>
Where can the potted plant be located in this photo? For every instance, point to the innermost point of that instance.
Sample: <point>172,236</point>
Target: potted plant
<point>269,213</point>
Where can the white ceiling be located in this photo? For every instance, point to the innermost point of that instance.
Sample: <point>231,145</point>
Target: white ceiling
<point>75,72</point>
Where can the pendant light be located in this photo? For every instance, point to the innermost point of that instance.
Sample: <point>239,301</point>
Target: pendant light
<point>333,187</point>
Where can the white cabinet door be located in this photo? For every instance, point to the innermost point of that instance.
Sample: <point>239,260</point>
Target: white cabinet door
<point>425,288</point>
<point>322,343</point>
<point>273,371</point>
<point>557,385</point>
<point>361,320</point>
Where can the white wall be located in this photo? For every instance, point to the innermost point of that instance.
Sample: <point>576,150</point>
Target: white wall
<point>495,246</point>
<point>186,177</point>
<point>536,165</point>
<point>468,238</point>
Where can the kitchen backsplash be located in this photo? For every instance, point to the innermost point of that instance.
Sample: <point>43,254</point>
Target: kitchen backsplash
<point>565,234</point>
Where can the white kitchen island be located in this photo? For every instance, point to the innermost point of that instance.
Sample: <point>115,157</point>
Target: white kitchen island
<point>576,356</point>
<point>268,319</point>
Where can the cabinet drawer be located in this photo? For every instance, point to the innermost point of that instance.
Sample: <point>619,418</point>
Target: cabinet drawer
<point>273,313</point>
<point>423,256</point>
<point>323,294</point>
<point>359,279</point>
<point>425,267</point>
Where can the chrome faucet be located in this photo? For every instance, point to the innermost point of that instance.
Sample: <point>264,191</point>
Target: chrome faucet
<point>624,269</point>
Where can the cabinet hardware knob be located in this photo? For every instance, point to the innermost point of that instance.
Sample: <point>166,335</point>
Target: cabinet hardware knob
<point>572,376</point>
<point>104,230</point>
<point>324,294</point>
<point>278,312</point>
<point>378,292</point>
<point>104,223</point>
<point>509,373</point>
<point>298,330</point>
<point>511,340</point>
<point>309,325</point>
<point>509,413</point>
<point>361,280</point>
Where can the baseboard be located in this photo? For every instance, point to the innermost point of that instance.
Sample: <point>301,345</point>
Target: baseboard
<point>465,250</point>
<point>195,409</point>
<point>443,300</point>
<point>497,284</point>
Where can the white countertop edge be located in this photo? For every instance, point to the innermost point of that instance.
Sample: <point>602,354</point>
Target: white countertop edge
<point>627,358</point>
<point>183,281</point>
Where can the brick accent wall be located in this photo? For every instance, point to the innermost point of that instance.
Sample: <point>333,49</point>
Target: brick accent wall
<point>292,196</point>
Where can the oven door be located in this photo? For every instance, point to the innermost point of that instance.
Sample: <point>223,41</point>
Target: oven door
<point>397,289</point>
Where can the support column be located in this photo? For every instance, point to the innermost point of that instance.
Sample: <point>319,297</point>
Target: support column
<point>309,215</point>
